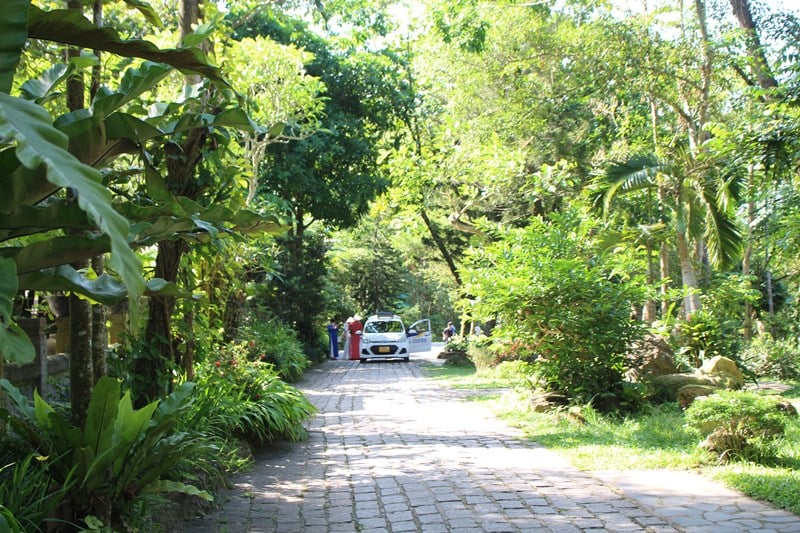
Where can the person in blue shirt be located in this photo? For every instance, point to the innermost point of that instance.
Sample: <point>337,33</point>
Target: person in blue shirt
<point>333,339</point>
<point>448,332</point>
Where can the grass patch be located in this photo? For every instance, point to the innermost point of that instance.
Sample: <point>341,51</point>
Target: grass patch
<point>465,377</point>
<point>654,439</point>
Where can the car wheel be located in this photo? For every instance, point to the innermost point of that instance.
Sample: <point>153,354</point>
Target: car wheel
<point>362,360</point>
<point>405,359</point>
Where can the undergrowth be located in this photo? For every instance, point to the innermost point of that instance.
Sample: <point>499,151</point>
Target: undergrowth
<point>656,438</point>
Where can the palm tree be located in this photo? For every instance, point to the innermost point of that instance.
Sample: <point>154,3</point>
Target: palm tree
<point>693,199</point>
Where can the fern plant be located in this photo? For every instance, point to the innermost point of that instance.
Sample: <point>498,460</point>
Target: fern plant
<point>118,456</point>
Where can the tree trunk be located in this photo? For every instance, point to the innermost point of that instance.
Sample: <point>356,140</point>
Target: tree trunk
<point>758,59</point>
<point>441,246</point>
<point>81,374</point>
<point>153,369</point>
<point>189,13</point>
<point>97,69</point>
<point>748,252</point>
<point>663,261</point>
<point>649,308</point>
<point>187,361</point>
<point>663,257</point>
<point>691,302</point>
<point>99,329</point>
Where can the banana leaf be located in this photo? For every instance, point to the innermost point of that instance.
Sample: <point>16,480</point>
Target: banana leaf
<point>68,26</point>
<point>13,34</point>
<point>37,144</point>
<point>15,345</point>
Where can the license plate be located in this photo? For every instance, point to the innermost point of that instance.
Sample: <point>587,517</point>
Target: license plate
<point>383,349</point>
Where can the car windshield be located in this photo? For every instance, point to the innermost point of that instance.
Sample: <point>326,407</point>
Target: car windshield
<point>384,326</point>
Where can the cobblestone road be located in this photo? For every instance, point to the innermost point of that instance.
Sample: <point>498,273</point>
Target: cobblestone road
<point>392,452</point>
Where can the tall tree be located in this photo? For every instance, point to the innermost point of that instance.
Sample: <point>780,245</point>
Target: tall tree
<point>329,178</point>
<point>700,205</point>
<point>758,59</point>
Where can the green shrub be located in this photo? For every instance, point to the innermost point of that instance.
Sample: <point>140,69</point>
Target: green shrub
<point>119,455</point>
<point>566,315</point>
<point>738,424</point>
<point>703,337</point>
<point>272,342</point>
<point>457,343</point>
<point>29,494</point>
<point>237,396</point>
<point>775,358</point>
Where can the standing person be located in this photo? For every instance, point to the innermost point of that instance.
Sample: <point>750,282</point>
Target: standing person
<point>448,332</point>
<point>333,339</point>
<point>346,337</point>
<point>355,337</point>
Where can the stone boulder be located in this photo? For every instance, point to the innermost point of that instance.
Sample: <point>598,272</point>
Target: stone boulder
<point>716,374</point>
<point>542,402</point>
<point>688,393</point>
<point>649,357</point>
<point>724,369</point>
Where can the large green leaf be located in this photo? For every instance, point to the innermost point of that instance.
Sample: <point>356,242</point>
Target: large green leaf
<point>27,220</point>
<point>13,34</point>
<point>236,118</point>
<point>103,289</point>
<point>38,143</point>
<point>21,402</point>
<point>54,252</point>
<point>8,289</point>
<point>130,426</point>
<point>101,415</point>
<point>40,89</point>
<point>20,185</point>
<point>147,10</point>
<point>124,126</point>
<point>162,287</point>
<point>135,82</point>
<point>132,423</point>
<point>69,26</point>
<point>64,437</point>
<point>15,345</point>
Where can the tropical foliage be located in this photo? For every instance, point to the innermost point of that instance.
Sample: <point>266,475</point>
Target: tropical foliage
<point>564,175</point>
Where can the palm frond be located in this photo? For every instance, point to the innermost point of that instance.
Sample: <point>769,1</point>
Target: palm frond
<point>635,173</point>
<point>724,238</point>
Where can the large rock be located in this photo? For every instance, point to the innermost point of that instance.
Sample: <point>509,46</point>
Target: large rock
<point>649,357</point>
<point>542,402</point>
<point>725,369</point>
<point>716,374</point>
<point>688,393</point>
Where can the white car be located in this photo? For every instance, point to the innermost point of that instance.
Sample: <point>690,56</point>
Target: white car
<point>385,337</point>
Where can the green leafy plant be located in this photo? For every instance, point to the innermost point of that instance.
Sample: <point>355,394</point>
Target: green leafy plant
<point>457,343</point>
<point>775,358</point>
<point>738,424</point>
<point>702,337</point>
<point>8,523</point>
<point>29,494</point>
<point>247,398</point>
<point>270,341</point>
<point>119,455</point>
<point>566,316</point>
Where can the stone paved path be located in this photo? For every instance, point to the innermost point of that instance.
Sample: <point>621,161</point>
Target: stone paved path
<point>392,452</point>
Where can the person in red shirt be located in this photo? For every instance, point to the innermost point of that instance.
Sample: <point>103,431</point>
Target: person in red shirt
<point>355,337</point>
